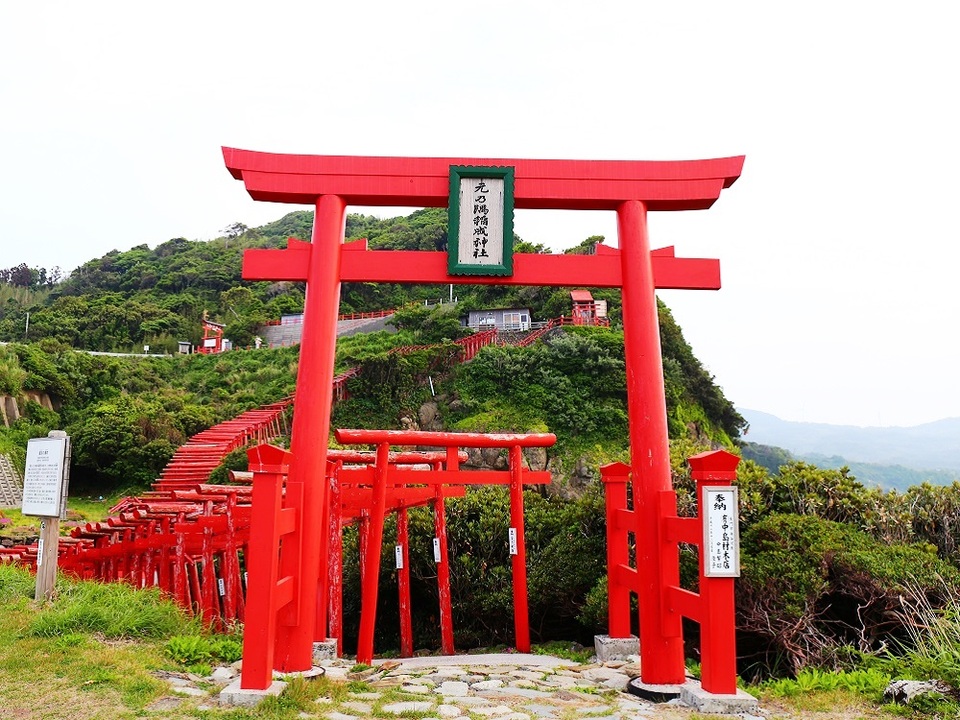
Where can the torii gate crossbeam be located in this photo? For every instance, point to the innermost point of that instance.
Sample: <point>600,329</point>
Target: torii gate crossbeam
<point>631,188</point>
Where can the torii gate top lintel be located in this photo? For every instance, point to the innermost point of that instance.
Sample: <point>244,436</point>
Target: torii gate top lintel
<point>540,184</point>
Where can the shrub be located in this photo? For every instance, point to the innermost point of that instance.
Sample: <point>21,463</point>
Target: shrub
<point>811,586</point>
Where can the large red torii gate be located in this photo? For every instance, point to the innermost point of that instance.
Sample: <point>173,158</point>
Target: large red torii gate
<point>630,188</point>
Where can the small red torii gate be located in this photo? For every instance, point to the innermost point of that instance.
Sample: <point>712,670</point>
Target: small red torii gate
<point>630,188</point>
<point>380,476</point>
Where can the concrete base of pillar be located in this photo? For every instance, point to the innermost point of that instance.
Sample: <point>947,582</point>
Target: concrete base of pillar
<point>324,650</point>
<point>695,696</point>
<point>233,694</point>
<point>652,692</point>
<point>608,648</point>
<point>692,694</point>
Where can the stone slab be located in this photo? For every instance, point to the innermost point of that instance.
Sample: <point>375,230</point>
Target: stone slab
<point>486,660</point>
<point>311,674</point>
<point>693,694</point>
<point>609,649</point>
<point>233,694</point>
<point>652,692</point>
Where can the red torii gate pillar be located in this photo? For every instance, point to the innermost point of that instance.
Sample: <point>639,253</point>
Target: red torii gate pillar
<point>649,446</point>
<point>311,427</point>
<point>631,188</point>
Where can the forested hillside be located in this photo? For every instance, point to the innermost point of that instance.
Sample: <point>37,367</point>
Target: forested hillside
<point>157,297</point>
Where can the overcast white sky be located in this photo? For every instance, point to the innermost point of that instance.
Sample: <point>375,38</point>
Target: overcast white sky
<point>838,245</point>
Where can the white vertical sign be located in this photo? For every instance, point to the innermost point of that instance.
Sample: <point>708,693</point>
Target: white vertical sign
<point>436,549</point>
<point>44,475</point>
<point>512,534</point>
<point>40,544</point>
<point>721,531</point>
<point>481,221</point>
<point>398,552</point>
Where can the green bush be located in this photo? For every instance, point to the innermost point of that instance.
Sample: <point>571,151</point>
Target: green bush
<point>811,586</point>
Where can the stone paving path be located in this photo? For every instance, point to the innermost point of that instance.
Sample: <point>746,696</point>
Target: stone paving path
<point>497,687</point>
<point>470,687</point>
<point>476,687</point>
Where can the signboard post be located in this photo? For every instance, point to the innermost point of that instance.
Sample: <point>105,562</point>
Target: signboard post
<point>45,484</point>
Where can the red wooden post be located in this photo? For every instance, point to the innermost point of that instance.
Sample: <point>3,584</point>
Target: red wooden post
<point>335,553</point>
<point>263,567</point>
<point>165,557</point>
<point>210,597</point>
<point>671,624</point>
<point>615,477</point>
<point>230,567</point>
<point>311,420</point>
<point>363,542</point>
<point>196,594</point>
<point>180,591</point>
<point>371,580</point>
<point>661,657</point>
<point>442,558</point>
<point>403,584</point>
<point>521,614</point>
<point>718,639</point>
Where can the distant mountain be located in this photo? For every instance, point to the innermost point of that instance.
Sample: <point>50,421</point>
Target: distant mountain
<point>887,477</point>
<point>932,446</point>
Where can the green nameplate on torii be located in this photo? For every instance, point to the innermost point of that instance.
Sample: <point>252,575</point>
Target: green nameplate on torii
<point>480,227</point>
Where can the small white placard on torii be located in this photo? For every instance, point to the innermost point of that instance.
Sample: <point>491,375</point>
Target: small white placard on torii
<point>43,478</point>
<point>222,587</point>
<point>721,531</point>
<point>398,551</point>
<point>512,534</point>
<point>436,549</point>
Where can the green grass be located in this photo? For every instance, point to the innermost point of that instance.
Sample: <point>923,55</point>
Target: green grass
<point>564,650</point>
<point>113,610</point>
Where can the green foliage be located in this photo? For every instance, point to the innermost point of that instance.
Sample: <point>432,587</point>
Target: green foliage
<point>809,586</point>
<point>430,324</point>
<point>391,385</point>
<point>12,374</point>
<point>767,456</point>
<point>870,683</point>
<point>196,649</point>
<point>353,350</point>
<point>125,300</point>
<point>574,652</point>
<point>128,440</point>
<point>114,610</point>
<point>128,415</point>
<point>236,460</point>
<point>574,384</point>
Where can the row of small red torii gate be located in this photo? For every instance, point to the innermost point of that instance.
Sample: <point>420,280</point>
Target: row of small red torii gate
<point>290,597</point>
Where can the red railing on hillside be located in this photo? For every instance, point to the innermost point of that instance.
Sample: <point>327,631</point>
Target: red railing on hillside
<point>373,314</point>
